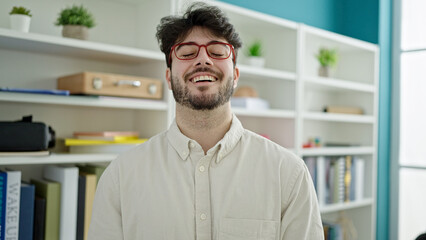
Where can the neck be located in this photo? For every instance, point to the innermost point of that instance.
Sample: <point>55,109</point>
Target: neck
<point>206,127</point>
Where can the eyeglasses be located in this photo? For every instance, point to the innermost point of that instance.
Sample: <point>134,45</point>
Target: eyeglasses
<point>215,50</point>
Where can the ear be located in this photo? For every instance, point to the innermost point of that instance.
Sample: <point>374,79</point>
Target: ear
<point>169,78</point>
<point>236,76</point>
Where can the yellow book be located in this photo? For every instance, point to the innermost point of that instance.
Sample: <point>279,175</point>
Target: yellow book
<point>82,142</point>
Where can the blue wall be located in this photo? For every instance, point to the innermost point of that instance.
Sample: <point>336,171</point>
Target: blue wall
<point>368,20</point>
<point>358,19</point>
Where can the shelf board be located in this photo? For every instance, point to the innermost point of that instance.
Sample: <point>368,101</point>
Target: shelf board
<point>346,206</point>
<point>87,101</point>
<point>265,72</point>
<point>269,113</point>
<point>57,158</point>
<point>343,40</point>
<point>336,151</point>
<point>340,84</point>
<point>335,117</point>
<point>34,42</point>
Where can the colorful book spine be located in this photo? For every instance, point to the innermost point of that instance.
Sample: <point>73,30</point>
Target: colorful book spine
<point>68,178</point>
<point>93,169</point>
<point>26,213</point>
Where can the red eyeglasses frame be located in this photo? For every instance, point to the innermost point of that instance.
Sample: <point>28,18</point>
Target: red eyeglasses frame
<point>199,47</point>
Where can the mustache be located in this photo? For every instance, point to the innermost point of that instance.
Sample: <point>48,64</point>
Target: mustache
<point>219,75</point>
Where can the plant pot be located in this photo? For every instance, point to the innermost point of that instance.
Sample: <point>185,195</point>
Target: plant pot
<point>324,71</point>
<point>20,22</point>
<point>257,61</point>
<point>75,31</point>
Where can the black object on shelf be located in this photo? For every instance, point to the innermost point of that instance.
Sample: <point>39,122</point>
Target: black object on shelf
<point>25,135</point>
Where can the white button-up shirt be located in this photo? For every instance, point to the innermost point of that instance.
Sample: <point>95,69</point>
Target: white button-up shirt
<point>245,187</point>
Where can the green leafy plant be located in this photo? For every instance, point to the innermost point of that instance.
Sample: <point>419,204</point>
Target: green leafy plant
<point>75,15</point>
<point>20,10</point>
<point>255,49</point>
<point>327,57</point>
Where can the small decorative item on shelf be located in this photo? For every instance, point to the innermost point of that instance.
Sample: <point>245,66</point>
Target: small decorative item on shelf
<point>312,143</point>
<point>255,53</point>
<point>327,59</point>
<point>247,97</point>
<point>20,19</point>
<point>76,21</point>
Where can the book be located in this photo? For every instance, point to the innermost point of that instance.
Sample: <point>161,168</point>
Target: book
<point>359,176</point>
<point>339,181</point>
<point>68,178</point>
<point>311,164</point>
<point>249,103</point>
<point>89,199</point>
<point>347,178</point>
<point>92,169</point>
<point>107,134</point>
<point>103,149</point>
<point>81,206</point>
<point>37,91</point>
<point>321,180</point>
<point>3,187</point>
<point>39,218</point>
<point>343,110</point>
<point>85,142</point>
<point>51,192</point>
<point>26,211</point>
<point>12,197</point>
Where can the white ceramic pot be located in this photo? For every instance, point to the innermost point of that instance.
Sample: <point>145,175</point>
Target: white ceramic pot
<point>257,61</point>
<point>75,31</point>
<point>20,22</point>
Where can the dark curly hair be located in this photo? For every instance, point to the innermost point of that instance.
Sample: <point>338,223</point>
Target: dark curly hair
<point>173,29</point>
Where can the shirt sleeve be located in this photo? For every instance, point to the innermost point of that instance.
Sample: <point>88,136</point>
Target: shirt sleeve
<point>106,221</point>
<point>300,218</point>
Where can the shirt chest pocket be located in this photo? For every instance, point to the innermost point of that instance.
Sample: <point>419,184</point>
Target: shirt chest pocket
<point>247,229</point>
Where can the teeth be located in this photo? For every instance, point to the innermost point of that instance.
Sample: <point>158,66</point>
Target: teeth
<point>203,78</point>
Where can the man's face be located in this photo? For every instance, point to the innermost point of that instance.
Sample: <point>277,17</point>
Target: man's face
<point>202,83</point>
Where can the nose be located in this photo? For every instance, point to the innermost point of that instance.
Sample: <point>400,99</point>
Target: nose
<point>203,57</point>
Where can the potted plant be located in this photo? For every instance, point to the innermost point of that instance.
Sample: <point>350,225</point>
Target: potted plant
<point>327,58</point>
<point>255,54</point>
<point>20,19</point>
<point>76,21</point>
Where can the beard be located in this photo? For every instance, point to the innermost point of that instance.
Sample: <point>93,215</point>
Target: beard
<point>202,101</point>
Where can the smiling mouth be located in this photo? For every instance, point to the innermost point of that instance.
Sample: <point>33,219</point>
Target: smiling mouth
<point>205,78</point>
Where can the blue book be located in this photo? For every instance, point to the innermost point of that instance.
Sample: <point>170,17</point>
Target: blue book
<point>26,213</point>
<point>38,91</point>
<point>3,187</point>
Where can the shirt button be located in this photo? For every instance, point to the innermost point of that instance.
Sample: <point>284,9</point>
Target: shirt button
<point>202,169</point>
<point>183,152</point>
<point>191,145</point>
<point>203,216</point>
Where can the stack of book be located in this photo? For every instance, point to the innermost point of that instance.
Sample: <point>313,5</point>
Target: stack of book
<point>337,179</point>
<point>103,142</point>
<point>58,206</point>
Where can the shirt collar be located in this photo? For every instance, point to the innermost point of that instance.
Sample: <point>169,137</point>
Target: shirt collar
<point>181,142</point>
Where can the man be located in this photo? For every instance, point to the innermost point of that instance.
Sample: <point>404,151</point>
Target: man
<point>206,177</point>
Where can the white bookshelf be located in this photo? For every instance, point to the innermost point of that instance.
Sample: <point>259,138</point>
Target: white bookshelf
<point>289,82</point>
